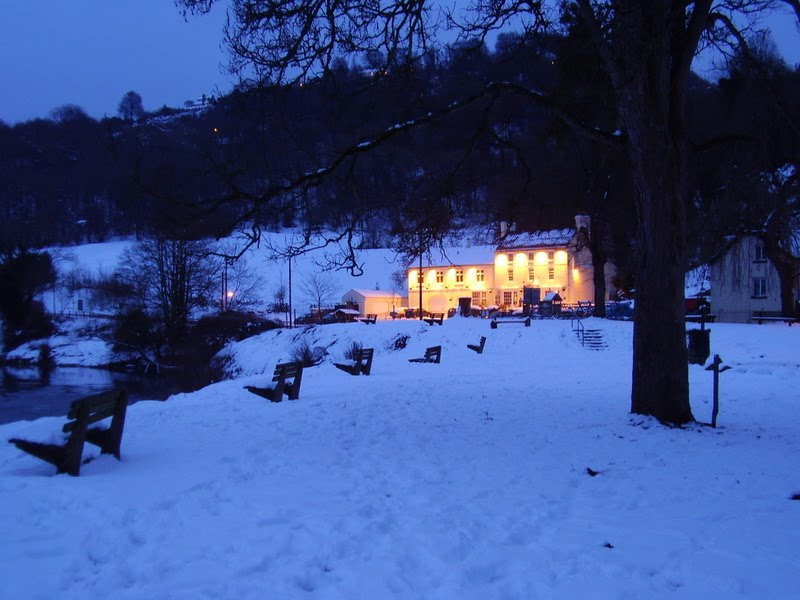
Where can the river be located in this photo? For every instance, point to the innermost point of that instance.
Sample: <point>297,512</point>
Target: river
<point>27,394</point>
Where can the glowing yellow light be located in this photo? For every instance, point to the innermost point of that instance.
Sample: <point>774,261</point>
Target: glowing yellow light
<point>229,294</point>
<point>576,275</point>
<point>501,260</point>
<point>561,257</point>
<point>540,258</point>
<point>520,258</point>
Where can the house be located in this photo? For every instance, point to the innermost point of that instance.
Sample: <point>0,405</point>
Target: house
<point>544,262</point>
<point>743,280</point>
<point>373,302</point>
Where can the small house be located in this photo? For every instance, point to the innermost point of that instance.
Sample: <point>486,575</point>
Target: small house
<point>373,302</point>
<point>743,280</point>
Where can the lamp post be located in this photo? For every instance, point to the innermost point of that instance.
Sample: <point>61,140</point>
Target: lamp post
<point>289,320</point>
<point>227,295</point>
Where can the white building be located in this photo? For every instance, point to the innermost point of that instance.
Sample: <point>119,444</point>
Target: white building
<point>374,302</point>
<point>544,261</point>
<point>743,280</point>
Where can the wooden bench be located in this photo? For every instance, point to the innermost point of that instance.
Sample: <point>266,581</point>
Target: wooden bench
<point>283,373</point>
<point>478,348</point>
<point>495,322</point>
<point>432,355</point>
<point>369,319</point>
<point>437,318</point>
<point>82,413</point>
<point>362,364</point>
<point>759,316</point>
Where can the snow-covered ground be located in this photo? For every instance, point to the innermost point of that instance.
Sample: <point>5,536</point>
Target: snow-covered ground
<point>466,479</point>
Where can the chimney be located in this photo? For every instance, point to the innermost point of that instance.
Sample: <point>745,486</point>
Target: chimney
<point>507,227</point>
<point>583,221</point>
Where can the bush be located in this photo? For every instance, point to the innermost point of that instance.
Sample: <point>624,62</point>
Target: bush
<point>398,343</point>
<point>310,357</point>
<point>352,350</point>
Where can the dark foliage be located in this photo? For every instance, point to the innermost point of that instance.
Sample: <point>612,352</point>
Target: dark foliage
<point>24,275</point>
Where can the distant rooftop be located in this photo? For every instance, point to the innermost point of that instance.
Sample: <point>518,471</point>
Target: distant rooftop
<point>538,239</point>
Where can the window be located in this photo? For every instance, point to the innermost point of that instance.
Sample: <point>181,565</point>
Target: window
<point>479,275</point>
<point>510,257</point>
<point>531,275</point>
<point>551,273</point>
<point>530,256</point>
<point>459,276</point>
<point>550,255</point>
<point>761,254</point>
<point>420,277</point>
<point>511,274</point>
<point>508,298</point>
<point>759,287</point>
<point>439,276</point>
<point>479,298</point>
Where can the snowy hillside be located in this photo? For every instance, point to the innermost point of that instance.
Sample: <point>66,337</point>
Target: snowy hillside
<point>467,479</point>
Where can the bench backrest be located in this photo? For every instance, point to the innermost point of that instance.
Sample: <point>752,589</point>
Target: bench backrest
<point>433,353</point>
<point>99,406</point>
<point>364,354</point>
<point>288,370</point>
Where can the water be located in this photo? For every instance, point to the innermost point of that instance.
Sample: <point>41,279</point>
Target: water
<point>27,394</point>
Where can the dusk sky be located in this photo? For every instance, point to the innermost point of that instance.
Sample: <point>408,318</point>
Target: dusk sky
<point>91,52</point>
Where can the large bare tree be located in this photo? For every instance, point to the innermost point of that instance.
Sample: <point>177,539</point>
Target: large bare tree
<point>646,49</point>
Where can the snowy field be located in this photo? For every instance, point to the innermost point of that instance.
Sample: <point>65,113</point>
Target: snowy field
<point>466,479</point>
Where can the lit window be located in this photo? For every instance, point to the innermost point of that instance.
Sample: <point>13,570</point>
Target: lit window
<point>508,298</point>
<point>420,277</point>
<point>511,274</point>
<point>459,276</point>
<point>439,276</point>
<point>530,275</point>
<point>759,287</point>
<point>479,275</point>
<point>551,273</point>
<point>479,298</point>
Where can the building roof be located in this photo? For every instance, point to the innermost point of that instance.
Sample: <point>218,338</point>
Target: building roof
<point>373,293</point>
<point>538,239</point>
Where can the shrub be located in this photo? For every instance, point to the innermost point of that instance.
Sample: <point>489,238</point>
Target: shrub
<point>398,343</point>
<point>352,350</point>
<point>307,355</point>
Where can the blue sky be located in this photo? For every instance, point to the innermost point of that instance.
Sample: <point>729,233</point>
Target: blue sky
<point>91,52</point>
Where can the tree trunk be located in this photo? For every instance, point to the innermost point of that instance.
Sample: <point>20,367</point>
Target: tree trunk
<point>652,110</point>
<point>787,269</point>
<point>599,260</point>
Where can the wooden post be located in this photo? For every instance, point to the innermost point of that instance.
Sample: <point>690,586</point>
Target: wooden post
<point>715,367</point>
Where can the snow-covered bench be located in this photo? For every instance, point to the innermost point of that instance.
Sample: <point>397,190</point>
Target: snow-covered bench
<point>283,373</point>
<point>432,355</point>
<point>437,318</point>
<point>82,413</point>
<point>362,362</point>
<point>479,347</point>
<point>759,316</point>
<point>496,322</point>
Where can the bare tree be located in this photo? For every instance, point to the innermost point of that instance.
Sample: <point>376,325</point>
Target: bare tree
<point>645,49</point>
<point>171,278</point>
<point>320,289</point>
